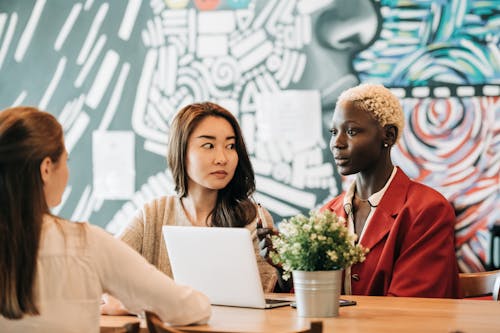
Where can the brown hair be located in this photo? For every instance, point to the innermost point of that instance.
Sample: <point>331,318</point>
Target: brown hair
<point>233,207</point>
<point>27,136</point>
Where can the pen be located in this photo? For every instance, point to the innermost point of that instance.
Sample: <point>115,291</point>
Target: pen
<point>261,216</point>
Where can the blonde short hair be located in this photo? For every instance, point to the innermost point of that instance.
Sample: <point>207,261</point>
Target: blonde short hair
<point>379,101</point>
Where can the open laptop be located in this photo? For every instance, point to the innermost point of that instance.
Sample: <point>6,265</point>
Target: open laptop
<point>219,262</point>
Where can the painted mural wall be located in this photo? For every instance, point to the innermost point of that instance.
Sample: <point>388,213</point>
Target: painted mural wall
<point>115,73</point>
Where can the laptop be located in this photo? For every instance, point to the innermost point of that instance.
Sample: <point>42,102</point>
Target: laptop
<point>219,262</point>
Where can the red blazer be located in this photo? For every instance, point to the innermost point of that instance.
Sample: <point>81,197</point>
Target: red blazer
<point>411,241</point>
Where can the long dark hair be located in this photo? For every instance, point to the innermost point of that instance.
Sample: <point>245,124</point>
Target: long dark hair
<point>27,136</point>
<point>233,208</point>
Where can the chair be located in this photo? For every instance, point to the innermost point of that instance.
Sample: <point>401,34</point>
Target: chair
<point>496,289</point>
<point>156,325</point>
<point>480,284</point>
<point>493,259</point>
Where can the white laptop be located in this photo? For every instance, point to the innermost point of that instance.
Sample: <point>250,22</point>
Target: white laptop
<point>219,262</point>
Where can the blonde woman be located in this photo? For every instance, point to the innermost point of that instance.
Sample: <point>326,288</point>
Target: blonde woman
<point>408,227</point>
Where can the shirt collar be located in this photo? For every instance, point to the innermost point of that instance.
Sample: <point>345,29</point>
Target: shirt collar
<point>374,199</point>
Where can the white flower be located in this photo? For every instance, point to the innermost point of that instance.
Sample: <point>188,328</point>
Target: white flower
<point>319,235</point>
<point>333,255</point>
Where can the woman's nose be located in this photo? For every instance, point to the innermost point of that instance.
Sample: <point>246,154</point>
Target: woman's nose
<point>220,156</point>
<point>337,142</point>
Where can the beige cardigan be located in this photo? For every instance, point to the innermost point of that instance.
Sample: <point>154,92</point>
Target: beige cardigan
<point>144,234</point>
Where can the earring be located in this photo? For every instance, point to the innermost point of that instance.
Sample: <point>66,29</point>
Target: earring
<point>386,145</point>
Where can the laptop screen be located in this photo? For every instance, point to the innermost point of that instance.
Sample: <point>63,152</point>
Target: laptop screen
<point>220,262</point>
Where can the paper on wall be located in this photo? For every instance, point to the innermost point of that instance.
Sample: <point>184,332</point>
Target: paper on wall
<point>113,164</point>
<point>293,116</point>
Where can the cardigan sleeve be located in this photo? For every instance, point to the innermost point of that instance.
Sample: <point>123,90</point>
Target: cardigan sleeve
<point>268,274</point>
<point>133,233</point>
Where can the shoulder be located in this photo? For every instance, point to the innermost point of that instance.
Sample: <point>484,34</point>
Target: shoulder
<point>154,210</point>
<point>422,195</point>
<point>417,203</point>
<point>96,232</point>
<point>158,203</point>
<point>56,229</point>
<point>404,191</point>
<point>335,204</point>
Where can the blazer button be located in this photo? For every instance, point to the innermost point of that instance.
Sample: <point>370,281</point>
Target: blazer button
<point>355,277</point>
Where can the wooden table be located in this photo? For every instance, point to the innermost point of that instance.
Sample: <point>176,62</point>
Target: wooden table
<point>371,314</point>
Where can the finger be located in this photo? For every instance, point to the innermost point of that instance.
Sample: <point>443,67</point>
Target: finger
<point>264,232</point>
<point>262,243</point>
<point>269,242</point>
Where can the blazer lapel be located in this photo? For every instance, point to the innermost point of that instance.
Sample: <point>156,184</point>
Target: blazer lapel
<point>387,210</point>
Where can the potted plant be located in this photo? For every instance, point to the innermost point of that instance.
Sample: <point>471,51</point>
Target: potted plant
<point>315,250</point>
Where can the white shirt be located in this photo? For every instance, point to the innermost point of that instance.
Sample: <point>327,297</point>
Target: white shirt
<point>373,201</point>
<point>77,262</point>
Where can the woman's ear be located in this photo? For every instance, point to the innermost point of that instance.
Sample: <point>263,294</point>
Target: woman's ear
<point>390,135</point>
<point>46,169</point>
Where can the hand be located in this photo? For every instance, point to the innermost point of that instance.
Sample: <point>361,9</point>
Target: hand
<point>112,307</point>
<point>265,247</point>
<point>265,243</point>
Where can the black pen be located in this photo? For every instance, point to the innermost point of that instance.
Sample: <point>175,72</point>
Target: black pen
<point>261,216</point>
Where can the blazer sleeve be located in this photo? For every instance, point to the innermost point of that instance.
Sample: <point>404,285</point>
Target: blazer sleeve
<point>126,275</point>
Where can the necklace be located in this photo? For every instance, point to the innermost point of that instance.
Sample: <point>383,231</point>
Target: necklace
<point>364,200</point>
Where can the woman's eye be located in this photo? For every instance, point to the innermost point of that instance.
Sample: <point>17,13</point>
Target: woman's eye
<point>333,131</point>
<point>351,131</point>
<point>231,146</point>
<point>207,145</point>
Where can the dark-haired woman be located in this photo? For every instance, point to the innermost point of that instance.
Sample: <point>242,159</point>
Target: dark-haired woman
<point>53,271</point>
<point>214,181</point>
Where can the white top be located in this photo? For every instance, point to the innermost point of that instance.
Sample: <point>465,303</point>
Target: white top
<point>77,262</point>
<point>373,201</point>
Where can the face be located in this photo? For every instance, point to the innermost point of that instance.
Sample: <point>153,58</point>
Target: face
<point>55,178</point>
<point>357,140</point>
<point>211,157</point>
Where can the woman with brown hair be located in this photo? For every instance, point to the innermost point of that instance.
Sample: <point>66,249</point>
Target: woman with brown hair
<point>214,181</point>
<point>53,271</point>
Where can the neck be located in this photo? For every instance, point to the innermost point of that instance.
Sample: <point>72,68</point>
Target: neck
<point>198,205</point>
<point>372,181</point>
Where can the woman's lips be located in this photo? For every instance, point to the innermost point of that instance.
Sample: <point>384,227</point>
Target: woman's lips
<point>219,174</point>
<point>341,161</point>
